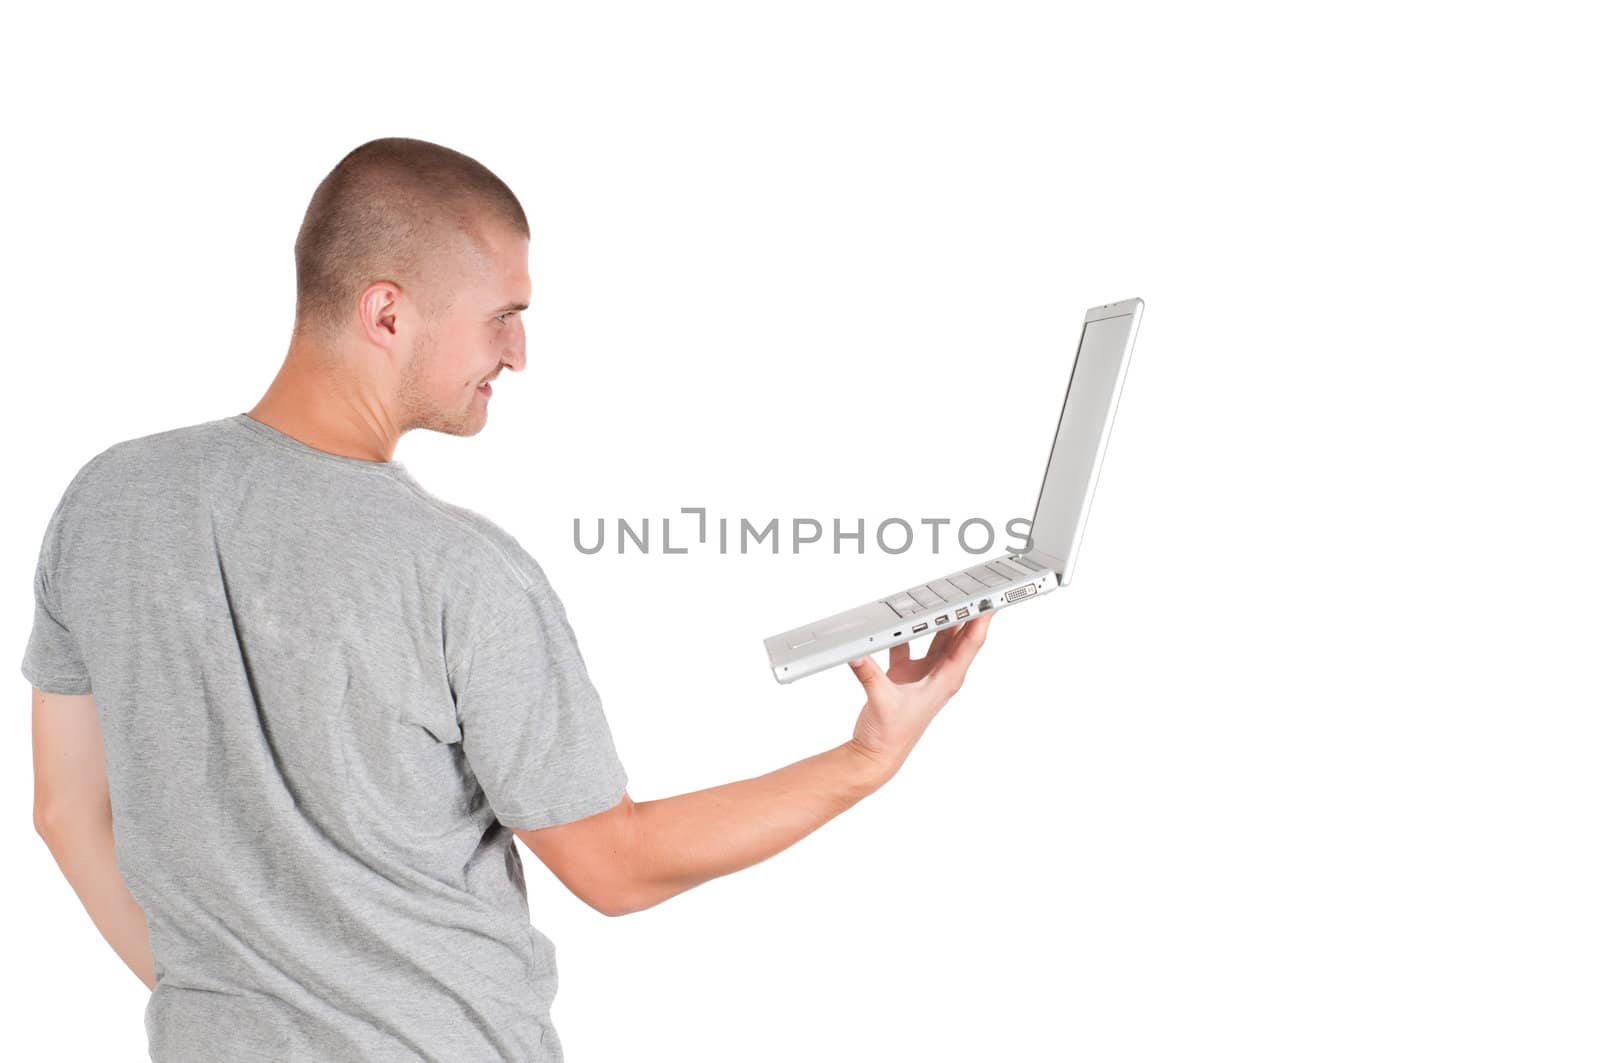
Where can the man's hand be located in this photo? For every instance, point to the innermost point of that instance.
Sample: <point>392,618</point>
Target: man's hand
<point>901,704</point>
<point>638,855</point>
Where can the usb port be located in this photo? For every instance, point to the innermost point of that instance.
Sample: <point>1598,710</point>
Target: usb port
<point>920,627</point>
<point>945,619</point>
<point>962,613</point>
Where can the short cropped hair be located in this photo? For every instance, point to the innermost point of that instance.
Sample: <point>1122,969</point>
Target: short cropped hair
<point>393,209</point>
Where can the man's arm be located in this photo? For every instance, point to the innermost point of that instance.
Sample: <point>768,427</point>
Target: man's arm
<point>680,842</point>
<point>72,813</point>
<point>635,856</point>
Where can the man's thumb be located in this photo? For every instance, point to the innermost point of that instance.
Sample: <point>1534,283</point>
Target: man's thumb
<point>871,676</point>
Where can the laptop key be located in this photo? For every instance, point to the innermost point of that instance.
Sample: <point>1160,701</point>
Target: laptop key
<point>965,583</point>
<point>945,589</point>
<point>903,604</point>
<point>926,597</point>
<point>986,577</point>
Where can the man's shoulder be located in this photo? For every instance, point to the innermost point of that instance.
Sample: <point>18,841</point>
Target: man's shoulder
<point>134,460</point>
<point>483,545</point>
<point>153,452</point>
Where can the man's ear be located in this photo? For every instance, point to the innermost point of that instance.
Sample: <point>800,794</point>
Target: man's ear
<point>379,308</point>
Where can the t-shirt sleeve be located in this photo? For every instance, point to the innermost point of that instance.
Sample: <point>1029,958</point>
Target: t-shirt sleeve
<point>532,727</point>
<point>52,660</point>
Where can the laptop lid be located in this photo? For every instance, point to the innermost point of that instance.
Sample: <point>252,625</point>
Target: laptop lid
<point>1104,347</point>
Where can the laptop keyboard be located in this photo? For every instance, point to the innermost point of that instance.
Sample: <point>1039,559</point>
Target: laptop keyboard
<point>960,586</point>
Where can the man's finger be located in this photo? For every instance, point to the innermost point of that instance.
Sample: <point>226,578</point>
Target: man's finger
<point>872,678</point>
<point>899,655</point>
<point>941,642</point>
<point>973,632</point>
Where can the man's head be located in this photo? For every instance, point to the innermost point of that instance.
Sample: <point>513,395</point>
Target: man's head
<point>411,268</point>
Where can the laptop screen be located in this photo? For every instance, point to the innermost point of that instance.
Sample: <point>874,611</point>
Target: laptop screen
<point>1081,435</point>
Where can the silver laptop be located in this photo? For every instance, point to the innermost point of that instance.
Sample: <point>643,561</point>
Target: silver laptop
<point>1093,387</point>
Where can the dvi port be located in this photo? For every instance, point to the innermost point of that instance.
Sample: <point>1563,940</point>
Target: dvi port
<point>1020,592</point>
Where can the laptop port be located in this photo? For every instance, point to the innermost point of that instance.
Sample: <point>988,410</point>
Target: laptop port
<point>1020,592</point>
<point>985,605</point>
<point>962,613</point>
<point>945,619</point>
<point>919,627</point>
<point>897,634</point>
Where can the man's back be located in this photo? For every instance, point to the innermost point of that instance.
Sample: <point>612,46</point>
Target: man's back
<point>324,695</point>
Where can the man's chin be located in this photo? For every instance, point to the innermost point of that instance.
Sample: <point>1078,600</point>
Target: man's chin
<point>469,428</point>
<point>470,423</point>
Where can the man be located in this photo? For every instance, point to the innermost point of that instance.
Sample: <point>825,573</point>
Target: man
<point>322,701</point>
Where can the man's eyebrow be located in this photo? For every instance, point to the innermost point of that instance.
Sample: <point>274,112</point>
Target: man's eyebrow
<point>510,306</point>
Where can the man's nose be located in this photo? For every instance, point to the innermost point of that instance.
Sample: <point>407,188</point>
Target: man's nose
<point>516,355</point>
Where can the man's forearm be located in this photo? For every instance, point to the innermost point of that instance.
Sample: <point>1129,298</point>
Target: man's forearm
<point>86,852</point>
<point>682,841</point>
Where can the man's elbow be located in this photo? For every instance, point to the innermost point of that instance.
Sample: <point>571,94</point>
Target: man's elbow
<point>628,892</point>
<point>622,899</point>
<point>51,821</point>
<point>62,832</point>
<point>594,858</point>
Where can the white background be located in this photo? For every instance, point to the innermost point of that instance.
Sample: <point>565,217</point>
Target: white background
<point>1300,766</point>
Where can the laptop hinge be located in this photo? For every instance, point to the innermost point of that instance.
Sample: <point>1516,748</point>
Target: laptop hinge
<point>1050,561</point>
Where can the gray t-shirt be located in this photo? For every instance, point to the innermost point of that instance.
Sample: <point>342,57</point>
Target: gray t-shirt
<point>325,695</point>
